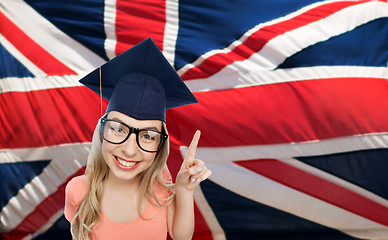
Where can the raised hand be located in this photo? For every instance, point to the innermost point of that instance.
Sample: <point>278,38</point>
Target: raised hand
<point>192,171</point>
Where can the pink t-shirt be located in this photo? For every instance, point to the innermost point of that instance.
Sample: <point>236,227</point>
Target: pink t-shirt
<point>154,229</point>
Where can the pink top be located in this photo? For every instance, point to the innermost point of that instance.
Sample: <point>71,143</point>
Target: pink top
<point>155,228</point>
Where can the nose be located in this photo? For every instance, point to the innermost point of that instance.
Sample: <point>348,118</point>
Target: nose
<point>129,147</point>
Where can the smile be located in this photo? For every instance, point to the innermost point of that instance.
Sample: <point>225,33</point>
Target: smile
<point>127,164</point>
<point>123,164</point>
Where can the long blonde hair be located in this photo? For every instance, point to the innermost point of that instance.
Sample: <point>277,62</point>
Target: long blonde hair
<point>88,212</point>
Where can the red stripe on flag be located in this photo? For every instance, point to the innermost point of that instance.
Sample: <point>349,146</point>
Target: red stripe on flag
<point>260,38</point>
<point>48,117</point>
<point>138,20</point>
<point>31,50</point>
<point>284,112</point>
<point>268,114</point>
<point>318,188</point>
<point>42,213</point>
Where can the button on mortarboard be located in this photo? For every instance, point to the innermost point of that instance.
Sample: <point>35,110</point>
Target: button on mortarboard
<point>140,83</point>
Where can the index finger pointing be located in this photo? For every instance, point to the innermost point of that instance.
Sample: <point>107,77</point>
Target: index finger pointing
<point>193,145</point>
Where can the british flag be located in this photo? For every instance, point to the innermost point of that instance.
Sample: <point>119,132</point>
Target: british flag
<point>293,109</point>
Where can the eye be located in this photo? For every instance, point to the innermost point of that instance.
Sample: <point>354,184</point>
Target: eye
<point>148,136</point>
<point>119,129</point>
<point>116,128</point>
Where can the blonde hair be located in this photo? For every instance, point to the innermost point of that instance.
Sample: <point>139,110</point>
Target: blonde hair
<point>88,212</point>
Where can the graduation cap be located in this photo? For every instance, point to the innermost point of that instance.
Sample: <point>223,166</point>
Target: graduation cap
<point>140,83</point>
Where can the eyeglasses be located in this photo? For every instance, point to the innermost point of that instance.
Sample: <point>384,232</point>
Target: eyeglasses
<point>116,132</point>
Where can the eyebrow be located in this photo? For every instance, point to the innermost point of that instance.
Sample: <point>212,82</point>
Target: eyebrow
<point>149,128</point>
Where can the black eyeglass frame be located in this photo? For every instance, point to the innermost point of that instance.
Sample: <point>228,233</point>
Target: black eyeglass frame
<point>132,130</point>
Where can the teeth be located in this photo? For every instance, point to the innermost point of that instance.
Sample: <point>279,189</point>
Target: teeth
<point>125,163</point>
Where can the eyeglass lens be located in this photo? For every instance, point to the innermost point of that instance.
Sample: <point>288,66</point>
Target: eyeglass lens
<point>116,132</point>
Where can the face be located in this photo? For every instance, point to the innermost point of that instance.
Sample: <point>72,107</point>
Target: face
<point>126,160</point>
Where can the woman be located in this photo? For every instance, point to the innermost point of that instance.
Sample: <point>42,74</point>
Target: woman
<point>126,192</point>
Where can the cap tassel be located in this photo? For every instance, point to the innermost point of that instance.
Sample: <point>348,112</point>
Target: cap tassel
<point>100,90</point>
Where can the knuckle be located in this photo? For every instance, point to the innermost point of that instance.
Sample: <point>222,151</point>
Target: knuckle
<point>199,162</point>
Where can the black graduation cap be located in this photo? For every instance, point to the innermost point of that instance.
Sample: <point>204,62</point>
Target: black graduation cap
<point>140,83</point>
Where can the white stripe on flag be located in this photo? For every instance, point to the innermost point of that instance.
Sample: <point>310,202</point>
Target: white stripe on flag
<point>289,150</point>
<point>233,45</point>
<point>70,52</point>
<point>110,28</point>
<point>27,84</point>
<point>171,30</point>
<point>338,181</point>
<point>65,159</point>
<point>278,49</point>
<point>283,46</point>
<point>244,182</point>
<point>20,57</point>
<point>238,76</point>
<point>226,79</point>
<point>256,187</point>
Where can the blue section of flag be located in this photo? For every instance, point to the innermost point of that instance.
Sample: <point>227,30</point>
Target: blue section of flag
<point>207,25</point>
<point>242,218</point>
<point>362,168</point>
<point>15,175</point>
<point>83,21</point>
<point>366,45</point>
<point>10,66</point>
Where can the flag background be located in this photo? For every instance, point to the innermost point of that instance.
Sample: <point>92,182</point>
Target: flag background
<point>292,95</point>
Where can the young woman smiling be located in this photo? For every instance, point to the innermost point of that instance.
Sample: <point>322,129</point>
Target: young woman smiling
<point>127,191</point>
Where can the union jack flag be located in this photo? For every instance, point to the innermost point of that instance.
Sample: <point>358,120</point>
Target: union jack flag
<point>293,109</point>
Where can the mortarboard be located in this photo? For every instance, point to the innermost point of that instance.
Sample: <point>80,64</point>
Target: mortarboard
<point>140,83</point>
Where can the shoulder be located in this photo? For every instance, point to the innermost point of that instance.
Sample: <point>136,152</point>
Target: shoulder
<point>164,180</point>
<point>166,175</point>
<point>76,189</point>
<point>163,184</point>
<point>75,192</point>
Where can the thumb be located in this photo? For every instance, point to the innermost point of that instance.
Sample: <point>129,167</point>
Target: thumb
<point>183,174</point>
